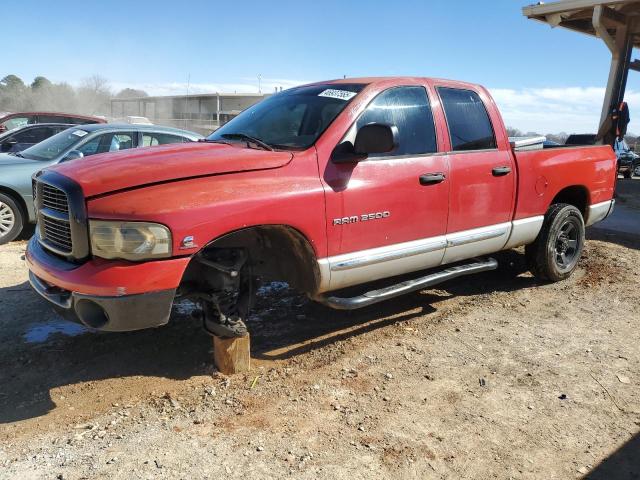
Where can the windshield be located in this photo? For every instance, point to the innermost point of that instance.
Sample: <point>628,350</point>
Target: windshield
<point>52,147</point>
<point>293,119</point>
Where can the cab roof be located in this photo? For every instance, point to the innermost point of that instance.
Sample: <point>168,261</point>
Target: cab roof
<point>386,81</point>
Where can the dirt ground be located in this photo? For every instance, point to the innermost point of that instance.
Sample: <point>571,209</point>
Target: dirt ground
<point>491,376</point>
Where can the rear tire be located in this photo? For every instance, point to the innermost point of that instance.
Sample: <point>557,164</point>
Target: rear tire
<point>555,253</point>
<point>626,174</point>
<point>11,219</point>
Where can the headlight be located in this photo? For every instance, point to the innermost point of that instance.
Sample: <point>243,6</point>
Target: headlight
<point>129,240</point>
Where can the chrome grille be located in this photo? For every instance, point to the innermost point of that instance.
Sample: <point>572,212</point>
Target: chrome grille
<point>57,233</point>
<point>61,213</point>
<point>54,198</point>
<point>55,229</point>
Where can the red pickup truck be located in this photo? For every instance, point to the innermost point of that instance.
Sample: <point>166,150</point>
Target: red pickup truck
<point>324,186</point>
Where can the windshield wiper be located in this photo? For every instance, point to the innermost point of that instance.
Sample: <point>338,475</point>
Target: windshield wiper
<point>249,138</point>
<point>17,154</point>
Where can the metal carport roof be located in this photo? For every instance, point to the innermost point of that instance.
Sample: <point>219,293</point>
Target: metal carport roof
<point>616,22</point>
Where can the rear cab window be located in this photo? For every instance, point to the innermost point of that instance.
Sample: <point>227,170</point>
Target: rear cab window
<point>467,120</point>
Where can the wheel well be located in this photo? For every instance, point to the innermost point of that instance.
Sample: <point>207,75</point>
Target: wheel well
<point>276,252</point>
<point>19,201</point>
<point>576,195</point>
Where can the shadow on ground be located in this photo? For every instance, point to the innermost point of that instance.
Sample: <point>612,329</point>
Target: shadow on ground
<point>623,464</point>
<point>285,325</point>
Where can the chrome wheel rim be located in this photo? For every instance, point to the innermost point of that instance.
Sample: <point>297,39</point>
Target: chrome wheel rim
<point>7,219</point>
<point>567,248</point>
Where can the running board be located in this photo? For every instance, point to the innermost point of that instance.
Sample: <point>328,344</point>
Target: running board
<point>375,296</point>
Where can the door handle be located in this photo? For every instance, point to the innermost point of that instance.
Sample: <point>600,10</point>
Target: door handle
<point>501,171</point>
<point>431,178</point>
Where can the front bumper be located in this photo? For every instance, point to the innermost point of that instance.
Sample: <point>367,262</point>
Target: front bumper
<point>109,314</point>
<point>108,296</point>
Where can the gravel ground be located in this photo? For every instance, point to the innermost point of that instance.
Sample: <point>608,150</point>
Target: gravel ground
<point>492,376</point>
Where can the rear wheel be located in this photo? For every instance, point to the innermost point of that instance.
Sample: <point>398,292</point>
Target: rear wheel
<point>11,219</point>
<point>626,174</point>
<point>555,253</point>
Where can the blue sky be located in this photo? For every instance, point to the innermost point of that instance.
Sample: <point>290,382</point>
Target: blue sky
<point>544,79</point>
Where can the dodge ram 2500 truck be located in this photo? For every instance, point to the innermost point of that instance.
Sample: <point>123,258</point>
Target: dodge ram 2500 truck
<point>324,186</point>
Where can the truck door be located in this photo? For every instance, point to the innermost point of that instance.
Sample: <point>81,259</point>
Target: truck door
<point>387,214</point>
<point>482,179</point>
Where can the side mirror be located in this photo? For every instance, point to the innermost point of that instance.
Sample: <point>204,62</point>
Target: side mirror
<point>72,155</point>
<point>370,139</point>
<point>376,138</point>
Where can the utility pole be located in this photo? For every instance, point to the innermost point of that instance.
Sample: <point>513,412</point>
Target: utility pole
<point>259,83</point>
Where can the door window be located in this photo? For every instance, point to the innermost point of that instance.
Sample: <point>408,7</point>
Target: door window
<point>76,120</point>
<point>34,135</point>
<point>150,139</point>
<point>469,124</point>
<point>108,142</point>
<point>50,119</point>
<point>121,141</point>
<point>16,122</point>
<point>408,109</point>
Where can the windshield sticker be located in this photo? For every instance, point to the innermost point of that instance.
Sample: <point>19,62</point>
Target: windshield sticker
<point>339,94</point>
<point>79,133</point>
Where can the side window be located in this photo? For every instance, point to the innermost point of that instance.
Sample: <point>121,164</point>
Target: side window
<point>108,142</point>
<point>468,121</point>
<point>152,139</point>
<point>121,141</point>
<point>49,119</point>
<point>408,109</point>
<point>34,135</point>
<point>91,147</point>
<point>149,140</point>
<point>76,121</point>
<point>16,122</point>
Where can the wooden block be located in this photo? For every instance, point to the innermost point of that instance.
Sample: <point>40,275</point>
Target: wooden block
<point>232,355</point>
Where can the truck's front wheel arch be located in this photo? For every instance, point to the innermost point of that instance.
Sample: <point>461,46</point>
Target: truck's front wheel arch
<point>275,252</point>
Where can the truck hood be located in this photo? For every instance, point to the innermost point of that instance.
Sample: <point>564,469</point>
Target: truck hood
<point>110,172</point>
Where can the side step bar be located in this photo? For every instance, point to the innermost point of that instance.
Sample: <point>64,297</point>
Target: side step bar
<point>392,291</point>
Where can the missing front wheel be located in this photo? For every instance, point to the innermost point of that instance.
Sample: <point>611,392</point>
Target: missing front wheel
<point>229,292</point>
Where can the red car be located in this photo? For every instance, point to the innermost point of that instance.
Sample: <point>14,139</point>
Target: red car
<point>324,186</point>
<point>14,120</point>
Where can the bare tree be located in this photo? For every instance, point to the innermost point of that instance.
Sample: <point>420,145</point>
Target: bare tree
<point>131,93</point>
<point>94,95</point>
<point>513,132</point>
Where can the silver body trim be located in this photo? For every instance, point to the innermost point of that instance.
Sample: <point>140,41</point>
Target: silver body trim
<point>364,266</point>
<point>384,254</point>
<point>476,242</point>
<point>478,234</point>
<point>524,231</point>
<point>599,211</point>
<point>381,262</point>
